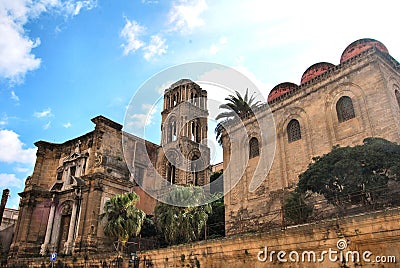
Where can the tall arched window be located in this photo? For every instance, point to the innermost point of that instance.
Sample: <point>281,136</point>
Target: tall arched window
<point>194,166</point>
<point>171,134</point>
<point>345,109</point>
<point>254,149</point>
<point>195,131</point>
<point>397,93</point>
<point>171,173</point>
<point>293,130</point>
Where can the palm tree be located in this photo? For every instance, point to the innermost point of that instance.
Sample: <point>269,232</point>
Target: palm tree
<point>182,224</point>
<point>237,107</point>
<point>123,218</point>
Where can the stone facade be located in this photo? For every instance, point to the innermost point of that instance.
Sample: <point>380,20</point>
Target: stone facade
<point>62,201</point>
<point>308,123</point>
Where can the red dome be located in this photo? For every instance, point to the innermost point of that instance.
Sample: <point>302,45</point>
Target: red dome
<point>359,46</point>
<point>315,70</point>
<point>281,89</point>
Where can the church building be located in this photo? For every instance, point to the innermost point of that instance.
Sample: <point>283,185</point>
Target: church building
<point>331,105</point>
<point>62,201</point>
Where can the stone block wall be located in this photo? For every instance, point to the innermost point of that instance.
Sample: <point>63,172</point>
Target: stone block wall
<point>375,232</point>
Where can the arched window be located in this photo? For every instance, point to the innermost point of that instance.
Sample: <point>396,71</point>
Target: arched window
<point>293,131</point>
<point>174,100</point>
<point>171,134</point>
<point>397,93</point>
<point>171,173</point>
<point>191,97</point>
<point>254,149</point>
<point>194,166</point>
<point>195,131</point>
<point>345,109</point>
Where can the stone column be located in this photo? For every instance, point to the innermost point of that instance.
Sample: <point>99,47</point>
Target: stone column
<point>185,92</point>
<point>133,161</point>
<point>71,230</point>
<point>49,229</point>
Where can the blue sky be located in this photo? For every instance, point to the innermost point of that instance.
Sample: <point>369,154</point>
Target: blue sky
<point>63,62</point>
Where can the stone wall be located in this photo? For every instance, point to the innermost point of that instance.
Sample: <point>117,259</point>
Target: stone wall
<point>376,232</point>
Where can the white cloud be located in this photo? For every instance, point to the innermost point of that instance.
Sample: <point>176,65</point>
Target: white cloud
<point>10,180</point>
<point>223,40</point>
<point>67,125</point>
<point>164,86</point>
<point>143,119</point>
<point>215,48</point>
<point>156,47</point>
<point>44,113</point>
<point>184,15</point>
<point>15,46</point>
<point>130,33</point>
<point>16,57</point>
<point>231,79</point>
<point>22,170</point>
<point>149,2</point>
<point>45,127</point>
<point>73,8</point>
<point>4,120</point>
<point>262,87</point>
<point>14,96</point>
<point>12,149</point>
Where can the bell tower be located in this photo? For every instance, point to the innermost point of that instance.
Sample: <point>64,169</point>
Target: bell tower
<point>186,156</point>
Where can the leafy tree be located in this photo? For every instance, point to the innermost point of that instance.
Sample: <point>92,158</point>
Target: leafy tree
<point>354,175</point>
<point>123,218</point>
<point>236,107</point>
<point>295,208</point>
<point>182,224</point>
<point>149,228</point>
